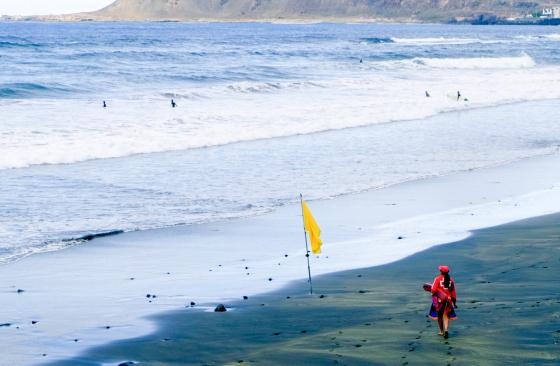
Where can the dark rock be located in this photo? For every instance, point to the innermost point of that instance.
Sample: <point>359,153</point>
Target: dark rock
<point>245,297</point>
<point>220,308</point>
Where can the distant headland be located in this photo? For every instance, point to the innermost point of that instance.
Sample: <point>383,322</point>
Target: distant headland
<point>416,11</point>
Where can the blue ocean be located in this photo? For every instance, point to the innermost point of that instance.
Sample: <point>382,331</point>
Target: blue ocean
<point>263,112</point>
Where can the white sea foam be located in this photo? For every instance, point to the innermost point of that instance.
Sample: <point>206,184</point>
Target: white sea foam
<point>222,115</point>
<point>553,36</point>
<point>444,41</point>
<point>517,62</point>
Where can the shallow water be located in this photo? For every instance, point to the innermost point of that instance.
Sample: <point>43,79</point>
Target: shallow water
<point>69,167</point>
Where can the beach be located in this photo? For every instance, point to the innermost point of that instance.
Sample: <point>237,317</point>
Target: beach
<point>507,279</point>
<point>151,171</point>
<point>107,289</point>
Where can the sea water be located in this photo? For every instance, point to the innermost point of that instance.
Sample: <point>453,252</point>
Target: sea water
<point>264,112</point>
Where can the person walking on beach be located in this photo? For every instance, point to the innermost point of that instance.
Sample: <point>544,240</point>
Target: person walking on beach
<point>444,301</point>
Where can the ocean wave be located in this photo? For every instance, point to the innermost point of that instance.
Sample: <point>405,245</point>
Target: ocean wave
<point>514,62</point>
<point>554,36</point>
<point>31,90</point>
<point>539,37</point>
<point>375,40</point>
<point>267,87</point>
<point>436,40</point>
<point>16,42</point>
<point>7,44</point>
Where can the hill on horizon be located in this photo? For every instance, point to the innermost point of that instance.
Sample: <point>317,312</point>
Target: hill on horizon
<point>411,10</point>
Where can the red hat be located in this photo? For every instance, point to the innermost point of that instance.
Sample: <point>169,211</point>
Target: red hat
<point>443,269</point>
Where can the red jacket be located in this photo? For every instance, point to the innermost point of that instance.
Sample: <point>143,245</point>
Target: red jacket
<point>449,292</point>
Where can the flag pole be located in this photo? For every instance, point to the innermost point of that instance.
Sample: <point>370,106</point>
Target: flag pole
<point>306,245</point>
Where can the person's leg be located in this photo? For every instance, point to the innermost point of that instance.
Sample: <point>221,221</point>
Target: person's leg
<point>440,315</point>
<point>445,326</point>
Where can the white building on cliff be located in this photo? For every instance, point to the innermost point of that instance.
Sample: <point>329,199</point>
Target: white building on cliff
<point>551,12</point>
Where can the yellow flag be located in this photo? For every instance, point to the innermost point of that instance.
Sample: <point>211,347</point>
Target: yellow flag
<point>313,230</point>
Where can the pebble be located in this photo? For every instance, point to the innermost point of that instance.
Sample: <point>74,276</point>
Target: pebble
<point>220,308</point>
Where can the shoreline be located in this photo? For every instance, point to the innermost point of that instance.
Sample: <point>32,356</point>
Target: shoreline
<point>197,264</point>
<point>360,317</point>
<point>65,243</point>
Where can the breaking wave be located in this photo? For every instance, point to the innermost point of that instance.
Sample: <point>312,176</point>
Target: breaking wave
<point>31,90</point>
<point>522,61</point>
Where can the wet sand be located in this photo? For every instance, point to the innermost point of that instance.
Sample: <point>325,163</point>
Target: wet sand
<point>508,281</point>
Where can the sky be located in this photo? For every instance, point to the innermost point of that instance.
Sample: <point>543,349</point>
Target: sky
<point>46,7</point>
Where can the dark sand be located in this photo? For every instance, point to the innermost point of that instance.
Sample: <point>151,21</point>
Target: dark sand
<point>508,281</point>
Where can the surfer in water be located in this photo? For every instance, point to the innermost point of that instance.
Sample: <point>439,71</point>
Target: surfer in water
<point>458,95</point>
<point>444,301</point>
<point>173,104</point>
